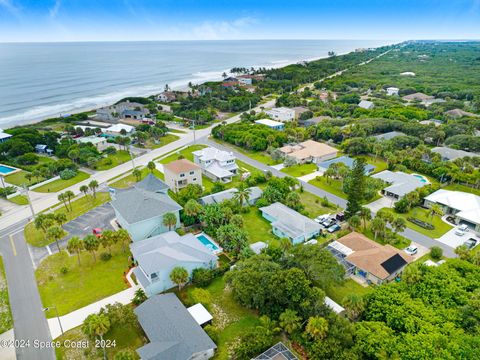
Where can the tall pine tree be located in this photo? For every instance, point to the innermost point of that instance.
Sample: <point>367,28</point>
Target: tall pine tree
<point>354,187</point>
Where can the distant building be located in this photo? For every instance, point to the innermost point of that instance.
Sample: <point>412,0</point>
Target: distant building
<point>140,209</point>
<point>326,96</point>
<point>299,110</point>
<point>400,183</point>
<point>407,73</point>
<point>365,104</point>
<point>288,223</point>
<point>41,148</point>
<point>347,161</point>
<point>245,80</point>
<point>277,352</point>
<point>392,91</point>
<point>255,193</point>
<point>272,124</point>
<point>418,97</point>
<point>458,113</point>
<point>309,151</point>
<point>281,114</point>
<point>106,114</point>
<point>4,136</point>
<point>431,121</point>
<point>157,256</point>
<point>172,331</point>
<point>389,135</point>
<point>180,173</point>
<point>449,154</point>
<point>99,142</point>
<point>116,130</point>
<point>216,164</point>
<point>167,96</point>
<point>314,121</point>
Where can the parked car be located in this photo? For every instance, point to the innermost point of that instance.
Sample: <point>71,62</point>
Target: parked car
<point>321,218</point>
<point>329,222</point>
<point>340,216</point>
<point>97,232</point>
<point>333,228</point>
<point>411,250</point>
<point>311,242</point>
<point>459,232</point>
<point>463,227</point>
<point>470,243</point>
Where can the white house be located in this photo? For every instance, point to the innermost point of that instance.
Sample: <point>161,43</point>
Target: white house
<point>116,130</point>
<point>365,104</point>
<point>216,164</point>
<point>281,114</point>
<point>245,80</point>
<point>4,136</point>
<point>391,91</point>
<point>167,96</point>
<point>272,124</point>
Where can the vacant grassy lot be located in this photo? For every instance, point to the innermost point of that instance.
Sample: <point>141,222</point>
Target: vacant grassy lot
<point>6,322</point>
<point>312,205</point>
<point>19,179</point>
<point>164,140</point>
<point>259,156</point>
<point>60,184</point>
<point>338,292</point>
<point>186,153</point>
<point>331,186</point>
<point>112,160</point>
<point>130,180</point>
<point>441,227</point>
<point>460,187</point>
<point>257,228</point>
<point>84,204</point>
<point>300,169</point>
<point>81,285</point>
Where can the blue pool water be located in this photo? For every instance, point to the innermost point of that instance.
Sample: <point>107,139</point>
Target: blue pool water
<point>422,179</point>
<point>4,170</point>
<point>207,242</point>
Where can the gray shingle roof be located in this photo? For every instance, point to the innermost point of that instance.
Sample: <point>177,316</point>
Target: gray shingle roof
<point>400,182</point>
<point>168,249</point>
<point>147,199</point>
<point>389,135</point>
<point>217,198</point>
<point>452,154</point>
<point>347,161</point>
<point>173,332</point>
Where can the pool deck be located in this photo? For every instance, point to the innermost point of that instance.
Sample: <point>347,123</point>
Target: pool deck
<point>219,248</point>
<point>15,170</point>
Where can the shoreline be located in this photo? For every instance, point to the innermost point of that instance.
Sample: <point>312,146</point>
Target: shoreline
<point>181,84</point>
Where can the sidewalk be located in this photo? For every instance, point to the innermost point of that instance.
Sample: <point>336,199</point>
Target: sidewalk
<point>7,352</point>
<point>76,318</point>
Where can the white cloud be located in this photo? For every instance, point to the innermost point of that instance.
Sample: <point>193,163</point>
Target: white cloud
<point>55,8</point>
<point>214,30</point>
<point>9,6</point>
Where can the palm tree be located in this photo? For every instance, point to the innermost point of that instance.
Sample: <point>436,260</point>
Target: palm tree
<point>122,236</point>
<point>366,215</point>
<point>151,166</point>
<point>354,304</point>
<point>354,222</point>
<point>107,239</point>
<point>192,208</point>
<point>137,174</point>
<point>169,219</point>
<point>290,321</point>
<point>60,218</point>
<point>242,195</point>
<point>179,276</point>
<point>91,244</point>
<point>84,189</point>
<point>317,327</point>
<point>44,222</point>
<point>75,245</point>
<point>55,233</point>
<point>93,185</point>
<point>97,325</point>
<point>69,195</point>
<point>398,224</point>
<point>61,197</point>
<point>378,226</point>
<point>435,209</point>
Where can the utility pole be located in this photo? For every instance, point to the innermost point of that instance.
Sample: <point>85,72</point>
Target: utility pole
<point>25,191</point>
<point>131,156</point>
<point>193,127</point>
<point>58,317</point>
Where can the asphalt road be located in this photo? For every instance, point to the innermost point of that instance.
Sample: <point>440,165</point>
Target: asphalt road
<point>29,319</point>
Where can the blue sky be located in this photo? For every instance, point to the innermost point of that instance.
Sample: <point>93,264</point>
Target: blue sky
<point>87,20</point>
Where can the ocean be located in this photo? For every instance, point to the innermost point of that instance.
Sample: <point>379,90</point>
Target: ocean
<point>42,80</point>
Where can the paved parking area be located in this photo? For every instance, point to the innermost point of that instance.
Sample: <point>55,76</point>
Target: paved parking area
<point>99,217</point>
<point>454,241</point>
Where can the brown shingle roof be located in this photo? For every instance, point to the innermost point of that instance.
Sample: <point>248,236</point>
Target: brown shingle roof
<point>180,166</point>
<point>369,255</point>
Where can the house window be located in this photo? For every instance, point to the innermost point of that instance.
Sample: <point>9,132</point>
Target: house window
<point>192,172</point>
<point>182,175</point>
<point>194,179</point>
<point>154,277</point>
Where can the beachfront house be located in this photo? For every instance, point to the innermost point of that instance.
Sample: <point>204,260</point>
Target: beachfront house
<point>400,183</point>
<point>216,164</point>
<point>141,208</point>
<point>272,124</point>
<point>158,255</point>
<point>281,114</point>
<point>180,173</point>
<point>290,224</point>
<point>167,96</point>
<point>309,151</point>
<point>118,129</point>
<point>4,136</point>
<point>245,79</point>
<point>172,331</point>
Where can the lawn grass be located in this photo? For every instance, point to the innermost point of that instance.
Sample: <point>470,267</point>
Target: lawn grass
<point>441,227</point>
<point>300,169</point>
<point>6,321</point>
<point>338,292</point>
<point>60,184</point>
<point>186,153</point>
<point>164,140</point>
<point>257,227</point>
<point>332,186</point>
<point>112,160</point>
<point>176,131</point>
<point>259,156</point>
<point>312,205</point>
<point>80,206</point>
<point>380,164</point>
<point>464,188</point>
<point>19,200</point>
<point>81,285</point>
<point>19,179</point>
<point>129,337</point>
<point>232,319</point>
<point>131,180</point>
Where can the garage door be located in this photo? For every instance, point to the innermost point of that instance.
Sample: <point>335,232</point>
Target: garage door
<point>469,224</point>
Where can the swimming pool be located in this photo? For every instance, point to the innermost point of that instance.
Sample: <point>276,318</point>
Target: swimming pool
<point>5,170</point>
<point>208,243</point>
<point>421,177</point>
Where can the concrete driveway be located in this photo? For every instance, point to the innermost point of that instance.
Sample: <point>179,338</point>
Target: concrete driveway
<point>383,202</point>
<point>453,240</point>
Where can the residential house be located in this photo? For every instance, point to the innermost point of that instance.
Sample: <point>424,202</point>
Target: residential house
<point>299,110</point>
<point>309,151</point>
<point>326,96</point>
<point>99,142</point>
<point>389,135</point>
<point>368,259</point>
<point>277,352</point>
<point>275,125</point>
<point>434,122</point>
<point>116,130</point>
<point>347,161</point>
<point>4,136</point>
<point>216,164</point>
<point>255,193</point>
<point>157,256</point>
<point>167,96</point>
<point>314,121</point>
<point>106,113</point>
<point>172,331</point>
<point>418,97</point>
<point>140,209</point>
<point>464,207</point>
<point>392,91</point>
<point>281,114</point>
<point>400,183</point>
<point>459,113</point>
<point>288,223</point>
<point>180,173</point>
<point>245,79</point>
<point>449,154</point>
<point>41,148</point>
<point>365,104</point>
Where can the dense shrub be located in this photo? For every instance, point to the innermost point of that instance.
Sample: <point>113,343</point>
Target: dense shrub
<point>105,256</point>
<point>436,252</point>
<point>67,174</point>
<point>421,223</point>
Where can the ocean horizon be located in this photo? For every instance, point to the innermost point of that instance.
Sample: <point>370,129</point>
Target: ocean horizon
<point>42,80</point>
